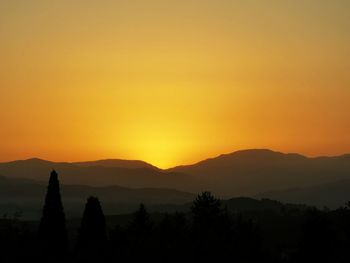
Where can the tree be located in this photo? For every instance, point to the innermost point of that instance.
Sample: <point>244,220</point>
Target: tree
<point>172,238</point>
<point>210,228</point>
<point>140,234</point>
<point>141,222</point>
<point>52,229</point>
<point>318,243</point>
<point>206,209</point>
<point>119,244</point>
<point>246,242</point>
<point>92,237</point>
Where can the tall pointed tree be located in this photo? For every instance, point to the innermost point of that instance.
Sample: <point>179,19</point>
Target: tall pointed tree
<point>92,239</point>
<point>52,229</point>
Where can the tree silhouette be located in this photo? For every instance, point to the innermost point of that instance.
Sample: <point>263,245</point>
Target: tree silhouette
<point>52,229</point>
<point>92,237</point>
<point>140,230</point>
<point>205,208</point>
<point>172,242</point>
<point>246,240</point>
<point>141,222</point>
<point>119,244</point>
<point>210,228</point>
<point>318,238</point>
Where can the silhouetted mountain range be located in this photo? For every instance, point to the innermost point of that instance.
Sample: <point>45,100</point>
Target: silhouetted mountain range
<point>242,173</point>
<point>117,163</point>
<point>97,173</point>
<point>331,195</point>
<point>251,171</point>
<point>25,195</point>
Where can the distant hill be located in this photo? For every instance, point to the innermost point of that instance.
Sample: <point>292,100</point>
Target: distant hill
<point>135,174</point>
<point>117,163</point>
<point>28,196</point>
<point>242,173</point>
<point>331,195</point>
<point>248,172</point>
<point>245,204</point>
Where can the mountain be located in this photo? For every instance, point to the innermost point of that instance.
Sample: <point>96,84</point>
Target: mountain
<point>98,173</point>
<point>117,163</point>
<point>331,195</point>
<point>241,173</point>
<point>248,172</point>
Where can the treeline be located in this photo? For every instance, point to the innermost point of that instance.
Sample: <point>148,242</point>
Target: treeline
<point>209,232</point>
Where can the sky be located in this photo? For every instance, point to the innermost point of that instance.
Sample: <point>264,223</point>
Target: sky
<point>173,81</point>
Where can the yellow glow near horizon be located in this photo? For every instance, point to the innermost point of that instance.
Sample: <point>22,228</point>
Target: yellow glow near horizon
<point>173,82</point>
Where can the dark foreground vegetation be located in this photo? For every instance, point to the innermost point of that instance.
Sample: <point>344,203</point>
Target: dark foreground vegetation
<point>208,232</point>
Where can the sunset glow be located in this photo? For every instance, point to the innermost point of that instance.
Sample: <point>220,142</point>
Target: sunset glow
<point>173,82</point>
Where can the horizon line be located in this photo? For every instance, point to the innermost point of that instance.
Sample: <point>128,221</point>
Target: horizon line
<point>180,165</point>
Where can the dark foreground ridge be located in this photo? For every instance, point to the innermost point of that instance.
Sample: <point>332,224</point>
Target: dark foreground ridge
<point>211,230</point>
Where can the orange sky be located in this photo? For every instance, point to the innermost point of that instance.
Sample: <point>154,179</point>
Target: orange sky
<point>173,82</point>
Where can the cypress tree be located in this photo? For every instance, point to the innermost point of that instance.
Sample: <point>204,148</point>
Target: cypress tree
<point>92,237</point>
<point>52,229</point>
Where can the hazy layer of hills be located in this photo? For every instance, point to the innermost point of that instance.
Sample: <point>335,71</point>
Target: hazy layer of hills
<point>244,173</point>
<point>27,197</point>
<point>331,195</point>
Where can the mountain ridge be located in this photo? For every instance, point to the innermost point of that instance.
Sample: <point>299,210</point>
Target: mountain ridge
<point>239,153</point>
<point>127,163</point>
<point>245,172</point>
